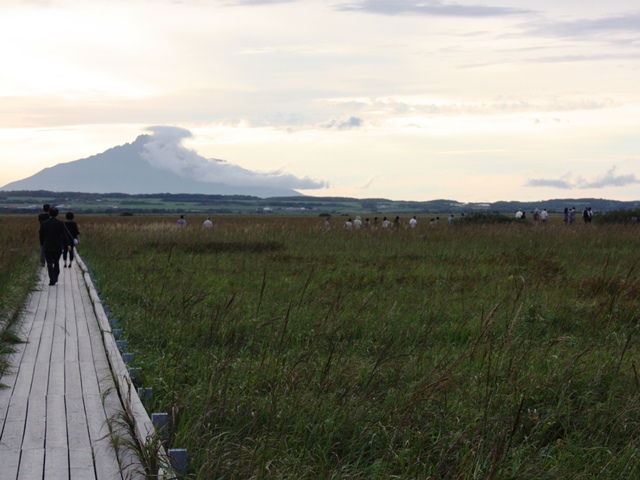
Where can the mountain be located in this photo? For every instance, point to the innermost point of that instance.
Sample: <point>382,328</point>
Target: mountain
<point>122,169</point>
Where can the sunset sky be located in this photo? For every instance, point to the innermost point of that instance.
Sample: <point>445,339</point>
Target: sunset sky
<point>474,100</point>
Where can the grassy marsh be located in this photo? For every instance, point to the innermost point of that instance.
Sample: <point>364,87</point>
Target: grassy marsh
<point>19,258</point>
<point>283,350</point>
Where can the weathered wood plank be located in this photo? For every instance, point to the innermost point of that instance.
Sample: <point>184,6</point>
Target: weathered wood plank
<point>107,466</point>
<point>77,428</point>
<point>56,422</point>
<point>56,463</point>
<point>35,425</point>
<point>22,386</point>
<point>13,430</point>
<point>56,378</point>
<point>129,464</point>
<point>31,464</point>
<point>73,385</point>
<point>81,464</point>
<point>40,382</point>
<point>10,460</point>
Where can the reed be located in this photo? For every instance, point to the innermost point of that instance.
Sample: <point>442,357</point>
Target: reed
<point>18,268</point>
<point>283,350</point>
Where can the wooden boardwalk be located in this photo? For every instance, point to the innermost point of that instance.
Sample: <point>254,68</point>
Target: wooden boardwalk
<point>54,415</point>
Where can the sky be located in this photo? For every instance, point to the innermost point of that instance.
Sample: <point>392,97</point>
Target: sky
<point>472,100</point>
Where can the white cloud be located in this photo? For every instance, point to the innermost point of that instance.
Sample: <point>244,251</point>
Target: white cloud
<point>435,8</point>
<point>606,180</point>
<point>165,150</point>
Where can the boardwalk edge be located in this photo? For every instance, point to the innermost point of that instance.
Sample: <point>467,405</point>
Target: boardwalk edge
<point>143,427</point>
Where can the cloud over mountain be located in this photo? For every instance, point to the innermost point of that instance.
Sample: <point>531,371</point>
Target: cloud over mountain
<point>165,150</point>
<point>159,163</point>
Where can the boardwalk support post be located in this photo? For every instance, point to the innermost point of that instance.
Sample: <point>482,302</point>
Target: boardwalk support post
<point>145,395</point>
<point>161,423</point>
<point>178,459</point>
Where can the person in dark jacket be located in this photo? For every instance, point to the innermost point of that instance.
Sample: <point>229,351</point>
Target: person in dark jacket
<point>41,218</point>
<point>53,238</point>
<point>74,233</point>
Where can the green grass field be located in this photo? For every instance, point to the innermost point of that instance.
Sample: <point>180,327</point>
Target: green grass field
<point>19,257</point>
<point>283,350</point>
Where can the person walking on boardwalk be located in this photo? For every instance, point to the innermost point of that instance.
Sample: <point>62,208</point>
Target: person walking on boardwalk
<point>74,233</point>
<point>41,218</point>
<point>54,238</point>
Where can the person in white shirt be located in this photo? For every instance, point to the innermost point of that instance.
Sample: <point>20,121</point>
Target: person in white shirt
<point>544,215</point>
<point>385,222</point>
<point>348,224</point>
<point>207,223</point>
<point>413,223</point>
<point>357,223</point>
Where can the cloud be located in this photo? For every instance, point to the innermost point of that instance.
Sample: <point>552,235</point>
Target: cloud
<point>395,107</point>
<point>432,8</point>
<point>608,179</point>
<point>588,28</point>
<point>544,182</point>
<point>165,150</point>
<point>350,123</point>
<point>373,179</point>
<point>262,2</point>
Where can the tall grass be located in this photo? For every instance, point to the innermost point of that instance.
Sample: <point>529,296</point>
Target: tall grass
<point>282,350</point>
<point>19,258</point>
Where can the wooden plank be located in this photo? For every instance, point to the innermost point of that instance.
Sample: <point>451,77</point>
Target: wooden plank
<point>5,398</point>
<point>35,425</point>
<point>81,463</point>
<point>22,386</point>
<point>10,461</point>
<point>56,463</point>
<point>56,378</point>
<point>77,428</point>
<point>129,464</point>
<point>31,464</point>
<point>73,385</point>
<point>56,422</point>
<point>107,466</point>
<point>72,318</point>
<point>40,381</point>
<point>13,430</point>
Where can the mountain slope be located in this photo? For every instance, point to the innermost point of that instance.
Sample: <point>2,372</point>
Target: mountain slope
<point>123,170</point>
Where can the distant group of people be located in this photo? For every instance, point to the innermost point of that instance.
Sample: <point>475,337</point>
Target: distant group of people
<point>182,222</point>
<point>358,223</point>
<point>57,238</point>
<point>386,223</point>
<point>537,215</point>
<point>569,215</point>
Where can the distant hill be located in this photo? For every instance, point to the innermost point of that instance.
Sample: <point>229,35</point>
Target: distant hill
<point>30,201</point>
<point>122,169</point>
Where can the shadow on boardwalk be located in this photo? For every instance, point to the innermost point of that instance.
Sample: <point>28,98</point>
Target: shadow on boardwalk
<point>54,415</point>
